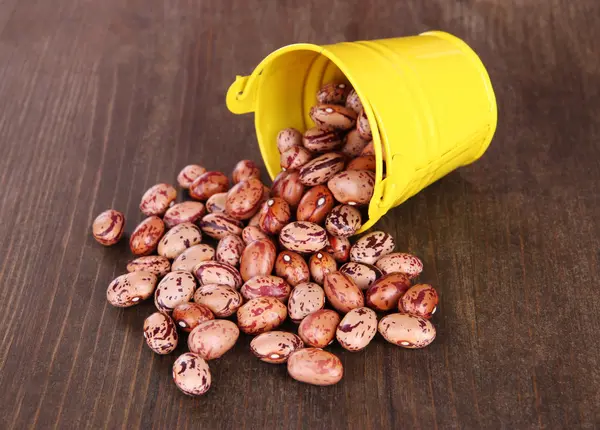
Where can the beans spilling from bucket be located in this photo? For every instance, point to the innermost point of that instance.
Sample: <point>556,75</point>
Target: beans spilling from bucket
<point>238,256</point>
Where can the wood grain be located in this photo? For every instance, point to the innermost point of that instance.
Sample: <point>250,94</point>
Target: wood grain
<point>101,99</point>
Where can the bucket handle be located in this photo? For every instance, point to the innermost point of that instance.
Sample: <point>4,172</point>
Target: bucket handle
<point>241,95</point>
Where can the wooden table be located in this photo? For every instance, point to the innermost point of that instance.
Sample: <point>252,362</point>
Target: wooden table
<point>101,99</point>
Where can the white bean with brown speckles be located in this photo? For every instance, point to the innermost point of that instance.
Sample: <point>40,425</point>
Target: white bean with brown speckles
<point>288,138</point>
<point>353,187</point>
<point>258,259</point>
<point>222,300</point>
<point>275,346</point>
<point>175,288</point>
<point>188,175</point>
<point>362,274</point>
<point>338,247</point>
<point>230,249</point>
<point>146,236</point>
<point>318,328</point>
<point>385,292</point>
<point>261,315</point>
<point>321,264</point>
<point>178,239</point>
<point>208,184</point>
<point>315,366</point>
<point>212,339</point>
<point>357,329</point>
<point>287,185</point>
<point>130,289</point>
<point>317,140</point>
<point>218,225</point>
<point>353,102</point>
<point>216,203</point>
<point>188,315</point>
<point>189,258</point>
<point>343,221</point>
<point>342,293</point>
<point>245,170</point>
<point>184,212</point>
<point>191,374</point>
<point>266,286</point>
<point>292,267</point>
<point>407,331</point>
<point>108,227</point>
<point>156,264</point>
<point>295,157</point>
<point>244,199</point>
<point>333,117</point>
<point>160,333</point>
<point>400,262</point>
<point>321,169</point>
<point>157,199</point>
<point>333,93</point>
<point>305,299</point>
<point>304,237</point>
<point>215,272</point>
<point>420,300</point>
<point>372,246</point>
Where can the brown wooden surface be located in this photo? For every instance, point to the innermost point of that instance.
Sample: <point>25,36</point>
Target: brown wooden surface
<point>101,99</point>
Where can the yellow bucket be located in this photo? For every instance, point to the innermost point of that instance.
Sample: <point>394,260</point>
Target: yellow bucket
<point>430,96</point>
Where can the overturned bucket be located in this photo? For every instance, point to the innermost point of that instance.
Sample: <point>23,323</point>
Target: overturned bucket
<point>429,95</point>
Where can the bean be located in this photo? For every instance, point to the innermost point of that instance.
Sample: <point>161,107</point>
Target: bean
<point>321,169</point>
<point>353,102</point>
<point>214,272</point>
<point>304,237</point>
<point>146,235</point>
<point>130,289</point>
<point>261,315</point>
<point>365,162</point>
<point>292,267</point>
<point>212,339</point>
<point>252,233</point>
<point>342,293</point>
<point>275,346</point>
<point>243,200</point>
<point>317,140</point>
<point>208,184</point>
<point>295,157</point>
<point>188,174</point>
<point>108,227</point>
<point>245,170</point>
<point>353,144</point>
<point>384,294</point>
<point>191,374</point>
<point>175,288</point>
<point>266,286</point>
<point>400,262</point>
<point>343,221</point>
<point>184,212</point>
<point>188,315</point>
<point>407,331</point>
<point>420,300</point>
<point>353,187</point>
<point>318,328</point>
<point>287,185</point>
<point>230,249</point>
<point>157,199</point>
<point>339,248</point>
<point>288,138</point>
<point>321,264</point>
<point>222,300</point>
<point>216,203</point>
<point>258,258</point>
<point>362,274</point>
<point>370,150</point>
<point>274,215</point>
<point>357,329</point>
<point>315,205</point>
<point>155,264</point>
<point>333,117</point>
<point>189,258</point>
<point>219,225</point>
<point>305,299</point>
<point>178,239</point>
<point>315,366</point>
<point>372,246</point>
<point>333,93</point>
<point>363,127</point>
<point>160,333</point>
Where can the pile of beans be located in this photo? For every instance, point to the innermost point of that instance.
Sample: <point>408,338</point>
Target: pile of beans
<point>248,257</point>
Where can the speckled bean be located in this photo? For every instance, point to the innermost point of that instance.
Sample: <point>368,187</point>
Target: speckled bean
<point>219,225</point>
<point>343,221</point>
<point>420,300</point>
<point>275,346</point>
<point>338,247</point>
<point>384,294</point>
<point>189,258</point>
<point>261,315</point>
<point>353,187</point>
<point>258,259</point>
<point>287,138</point>
<point>407,331</point>
<point>363,127</point>
<point>295,157</point>
<point>108,227</point>
<point>304,237</point>
<point>222,300</point>
<point>342,293</point>
<point>146,235</point>
<point>317,140</point>
<point>400,262</point>
<point>157,199</point>
<point>252,233</point>
<point>160,333</point>
<point>315,366</point>
<point>372,246</point>
<point>243,200</point>
<point>245,170</point>
<point>216,203</point>
<point>318,328</point>
<point>362,274</point>
<point>212,339</point>
<point>266,286</point>
<point>353,144</point>
<point>315,205</point>
<point>287,185</point>
<point>370,150</point>
<point>321,169</point>
<point>184,212</point>
<point>353,102</point>
<point>292,267</point>
<point>320,265</point>
<point>305,299</point>
<point>130,289</point>
<point>230,249</point>
<point>188,315</point>
<point>215,272</point>
<point>274,215</point>
<point>357,329</point>
<point>175,288</point>
<point>189,174</point>
<point>178,239</point>
<point>191,374</point>
<point>155,264</point>
<point>365,162</point>
<point>333,117</point>
<point>208,184</point>
<point>333,93</point>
